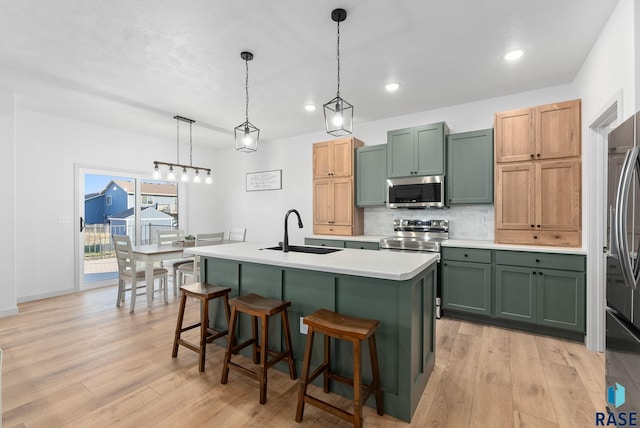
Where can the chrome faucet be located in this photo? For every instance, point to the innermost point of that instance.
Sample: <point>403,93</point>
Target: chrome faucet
<point>285,243</point>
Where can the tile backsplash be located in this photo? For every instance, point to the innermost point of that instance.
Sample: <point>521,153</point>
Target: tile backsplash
<point>465,221</point>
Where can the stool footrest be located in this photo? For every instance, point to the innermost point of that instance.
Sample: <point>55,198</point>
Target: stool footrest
<point>244,370</point>
<point>341,379</point>
<point>236,348</point>
<point>190,327</point>
<point>317,372</point>
<point>189,345</point>
<point>336,411</point>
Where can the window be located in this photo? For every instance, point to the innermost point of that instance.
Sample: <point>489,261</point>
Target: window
<point>108,200</point>
<point>147,199</point>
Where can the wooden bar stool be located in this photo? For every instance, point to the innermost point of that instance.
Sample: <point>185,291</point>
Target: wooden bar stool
<point>203,292</point>
<point>263,307</point>
<point>354,330</point>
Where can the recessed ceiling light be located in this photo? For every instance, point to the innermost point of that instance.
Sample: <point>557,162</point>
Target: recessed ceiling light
<point>513,55</point>
<point>310,107</point>
<point>392,87</point>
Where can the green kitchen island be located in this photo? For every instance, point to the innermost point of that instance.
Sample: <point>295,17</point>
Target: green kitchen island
<point>396,288</point>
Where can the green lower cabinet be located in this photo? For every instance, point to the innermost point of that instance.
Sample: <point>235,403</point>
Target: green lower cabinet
<point>561,299</point>
<point>466,287</point>
<point>515,293</point>
<point>549,297</point>
<point>324,242</point>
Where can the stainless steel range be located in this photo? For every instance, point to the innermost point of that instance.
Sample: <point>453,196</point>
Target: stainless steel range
<point>419,236</point>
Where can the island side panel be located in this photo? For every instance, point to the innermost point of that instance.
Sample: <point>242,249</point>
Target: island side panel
<point>225,273</point>
<point>423,333</point>
<point>308,291</point>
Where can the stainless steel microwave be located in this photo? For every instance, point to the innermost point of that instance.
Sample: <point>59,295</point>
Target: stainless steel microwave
<point>416,192</point>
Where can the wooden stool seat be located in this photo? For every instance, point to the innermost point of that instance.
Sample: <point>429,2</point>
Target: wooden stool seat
<point>263,307</point>
<point>203,292</point>
<point>354,330</point>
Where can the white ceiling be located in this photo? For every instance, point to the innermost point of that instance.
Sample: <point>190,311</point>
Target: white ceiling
<point>136,64</point>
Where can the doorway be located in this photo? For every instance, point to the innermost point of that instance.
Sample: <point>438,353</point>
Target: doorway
<point>121,203</point>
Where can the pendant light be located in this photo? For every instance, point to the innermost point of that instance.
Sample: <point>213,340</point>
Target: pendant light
<point>246,134</point>
<point>338,113</point>
<point>184,177</point>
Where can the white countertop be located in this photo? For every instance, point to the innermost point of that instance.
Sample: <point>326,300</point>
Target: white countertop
<point>490,245</point>
<point>392,265</point>
<point>361,238</point>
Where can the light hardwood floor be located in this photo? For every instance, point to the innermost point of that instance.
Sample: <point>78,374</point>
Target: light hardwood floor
<point>79,361</point>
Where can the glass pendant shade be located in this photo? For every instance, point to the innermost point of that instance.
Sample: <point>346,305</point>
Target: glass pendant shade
<point>247,137</point>
<point>338,117</point>
<point>185,177</point>
<point>209,178</point>
<point>170,175</point>
<point>196,177</point>
<point>156,173</point>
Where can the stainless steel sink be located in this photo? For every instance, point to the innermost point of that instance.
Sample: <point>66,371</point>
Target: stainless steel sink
<point>303,249</point>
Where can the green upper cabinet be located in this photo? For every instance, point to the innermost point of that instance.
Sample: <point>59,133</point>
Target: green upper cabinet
<point>470,167</point>
<point>371,176</point>
<point>417,151</point>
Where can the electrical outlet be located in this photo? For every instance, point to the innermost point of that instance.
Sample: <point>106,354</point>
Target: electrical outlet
<point>303,327</point>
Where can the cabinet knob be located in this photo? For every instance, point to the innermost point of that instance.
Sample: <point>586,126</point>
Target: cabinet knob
<point>539,273</point>
<point>445,264</point>
<point>557,236</point>
<point>531,155</point>
<point>330,230</point>
<point>535,237</point>
<point>533,273</point>
<point>466,255</point>
<point>537,260</point>
<point>538,155</point>
<point>532,225</point>
<point>538,225</point>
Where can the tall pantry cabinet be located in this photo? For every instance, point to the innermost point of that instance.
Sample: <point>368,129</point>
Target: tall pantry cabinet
<point>334,210</point>
<point>538,175</point>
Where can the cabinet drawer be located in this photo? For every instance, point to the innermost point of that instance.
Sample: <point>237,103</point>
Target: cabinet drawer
<point>362,245</point>
<point>467,255</point>
<point>553,238</point>
<point>541,260</point>
<point>326,229</point>
<point>324,242</point>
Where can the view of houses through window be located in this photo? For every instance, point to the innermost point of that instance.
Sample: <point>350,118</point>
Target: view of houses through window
<point>110,209</point>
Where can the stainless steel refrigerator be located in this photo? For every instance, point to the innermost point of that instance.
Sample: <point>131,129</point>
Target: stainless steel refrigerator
<point>623,269</point>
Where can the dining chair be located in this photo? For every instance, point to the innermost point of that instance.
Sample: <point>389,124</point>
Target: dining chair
<point>127,272</point>
<point>188,269</point>
<point>169,237</point>
<point>237,234</point>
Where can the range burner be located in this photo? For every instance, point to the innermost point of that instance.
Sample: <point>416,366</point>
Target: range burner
<point>417,235</point>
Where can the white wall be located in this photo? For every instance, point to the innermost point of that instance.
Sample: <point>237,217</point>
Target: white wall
<point>263,212</point>
<point>7,213</point>
<point>47,149</point>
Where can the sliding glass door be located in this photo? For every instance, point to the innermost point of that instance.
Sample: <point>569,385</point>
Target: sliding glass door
<point>116,203</point>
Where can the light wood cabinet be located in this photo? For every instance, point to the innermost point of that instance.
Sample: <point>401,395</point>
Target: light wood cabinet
<point>334,210</point>
<point>333,158</point>
<point>538,175</point>
<point>544,132</point>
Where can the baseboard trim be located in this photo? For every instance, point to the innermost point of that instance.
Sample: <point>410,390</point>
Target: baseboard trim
<point>8,312</point>
<point>41,296</point>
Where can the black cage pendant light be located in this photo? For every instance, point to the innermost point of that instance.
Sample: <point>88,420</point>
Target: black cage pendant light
<point>338,113</point>
<point>246,134</point>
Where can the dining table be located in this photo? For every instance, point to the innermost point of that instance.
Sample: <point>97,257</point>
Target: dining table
<point>150,254</point>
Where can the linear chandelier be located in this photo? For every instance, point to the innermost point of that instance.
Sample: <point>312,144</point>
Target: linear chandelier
<point>171,176</point>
